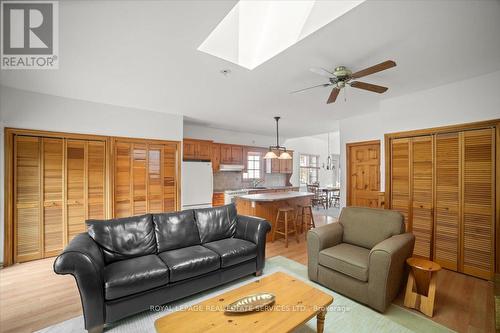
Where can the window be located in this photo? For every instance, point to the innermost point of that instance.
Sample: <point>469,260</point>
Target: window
<point>254,166</point>
<point>309,168</point>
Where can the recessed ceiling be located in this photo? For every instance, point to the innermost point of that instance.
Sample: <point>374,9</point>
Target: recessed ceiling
<point>143,54</point>
<point>255,31</point>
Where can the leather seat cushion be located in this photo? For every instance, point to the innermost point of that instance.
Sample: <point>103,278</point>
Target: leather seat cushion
<point>233,251</point>
<point>190,262</point>
<point>131,276</point>
<point>348,259</point>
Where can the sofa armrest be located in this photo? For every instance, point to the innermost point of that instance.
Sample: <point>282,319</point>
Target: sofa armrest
<point>386,269</point>
<point>83,259</point>
<point>319,239</point>
<point>254,229</point>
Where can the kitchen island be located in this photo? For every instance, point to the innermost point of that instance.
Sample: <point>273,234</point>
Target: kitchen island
<point>266,205</point>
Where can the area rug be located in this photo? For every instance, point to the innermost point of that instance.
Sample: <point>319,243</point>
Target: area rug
<point>345,316</point>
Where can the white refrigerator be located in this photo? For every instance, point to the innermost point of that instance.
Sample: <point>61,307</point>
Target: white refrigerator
<point>196,185</point>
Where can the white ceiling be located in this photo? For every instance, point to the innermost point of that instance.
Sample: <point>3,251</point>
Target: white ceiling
<point>143,54</point>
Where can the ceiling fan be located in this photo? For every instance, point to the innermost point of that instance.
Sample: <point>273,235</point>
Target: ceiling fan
<point>342,76</point>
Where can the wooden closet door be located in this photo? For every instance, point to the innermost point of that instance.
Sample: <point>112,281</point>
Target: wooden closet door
<point>96,175</point>
<point>170,178</point>
<point>122,183</point>
<point>421,194</point>
<point>400,178</point>
<point>447,203</point>
<point>155,173</point>
<point>478,202</point>
<point>75,188</point>
<point>53,196</point>
<point>139,178</point>
<point>27,198</point>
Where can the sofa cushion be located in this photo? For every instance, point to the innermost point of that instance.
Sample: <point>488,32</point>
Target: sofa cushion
<point>233,251</point>
<point>216,223</point>
<point>367,227</point>
<point>189,262</point>
<point>131,276</point>
<point>175,230</point>
<point>348,259</point>
<point>124,238</point>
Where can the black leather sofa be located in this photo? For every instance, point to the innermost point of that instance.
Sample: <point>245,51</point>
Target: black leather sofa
<point>125,266</point>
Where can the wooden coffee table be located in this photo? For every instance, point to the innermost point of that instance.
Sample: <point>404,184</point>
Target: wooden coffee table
<point>296,303</point>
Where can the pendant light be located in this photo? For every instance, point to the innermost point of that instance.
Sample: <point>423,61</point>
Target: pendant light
<point>329,165</point>
<point>283,154</point>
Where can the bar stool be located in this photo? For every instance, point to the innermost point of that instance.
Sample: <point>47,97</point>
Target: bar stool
<point>286,213</point>
<point>305,224</point>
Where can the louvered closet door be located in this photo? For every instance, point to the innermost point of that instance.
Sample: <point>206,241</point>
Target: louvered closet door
<point>478,202</point>
<point>122,183</point>
<point>155,174</point>
<point>447,207</point>
<point>422,212</point>
<point>146,179</point>
<point>53,196</point>
<point>400,177</point>
<point>96,175</point>
<point>170,178</point>
<point>139,179</point>
<point>75,188</point>
<point>27,198</point>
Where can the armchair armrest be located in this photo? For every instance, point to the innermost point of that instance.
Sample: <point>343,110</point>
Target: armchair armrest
<point>254,229</point>
<point>319,239</point>
<point>386,269</point>
<point>83,259</point>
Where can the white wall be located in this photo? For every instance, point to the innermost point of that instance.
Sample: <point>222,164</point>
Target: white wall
<point>23,109</point>
<point>314,145</point>
<point>465,101</point>
<point>227,136</point>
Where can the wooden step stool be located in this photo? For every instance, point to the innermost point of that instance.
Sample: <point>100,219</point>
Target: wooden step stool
<point>287,213</point>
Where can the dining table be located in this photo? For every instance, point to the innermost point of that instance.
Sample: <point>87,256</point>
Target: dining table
<point>329,190</point>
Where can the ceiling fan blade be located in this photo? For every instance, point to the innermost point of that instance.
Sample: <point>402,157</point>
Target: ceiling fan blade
<point>322,72</point>
<point>333,95</point>
<point>319,85</point>
<point>374,69</point>
<point>368,86</point>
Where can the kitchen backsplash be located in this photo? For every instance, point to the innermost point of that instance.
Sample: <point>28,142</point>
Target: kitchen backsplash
<point>234,180</point>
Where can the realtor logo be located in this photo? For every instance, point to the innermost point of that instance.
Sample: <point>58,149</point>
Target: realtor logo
<point>30,33</point>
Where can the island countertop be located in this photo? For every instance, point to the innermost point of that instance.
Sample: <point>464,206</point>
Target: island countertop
<point>269,197</point>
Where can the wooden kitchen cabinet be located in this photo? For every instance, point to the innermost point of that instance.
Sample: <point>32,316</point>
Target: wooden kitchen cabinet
<point>215,157</point>
<point>197,150</point>
<point>231,154</point>
<point>218,199</point>
<point>237,154</point>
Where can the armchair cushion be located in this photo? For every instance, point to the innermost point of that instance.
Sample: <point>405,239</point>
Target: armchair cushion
<point>348,259</point>
<point>233,251</point>
<point>131,276</point>
<point>367,227</point>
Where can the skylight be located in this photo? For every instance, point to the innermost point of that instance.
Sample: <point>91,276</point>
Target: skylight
<point>255,31</point>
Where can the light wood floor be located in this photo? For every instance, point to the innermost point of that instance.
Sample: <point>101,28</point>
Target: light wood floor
<point>33,297</point>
